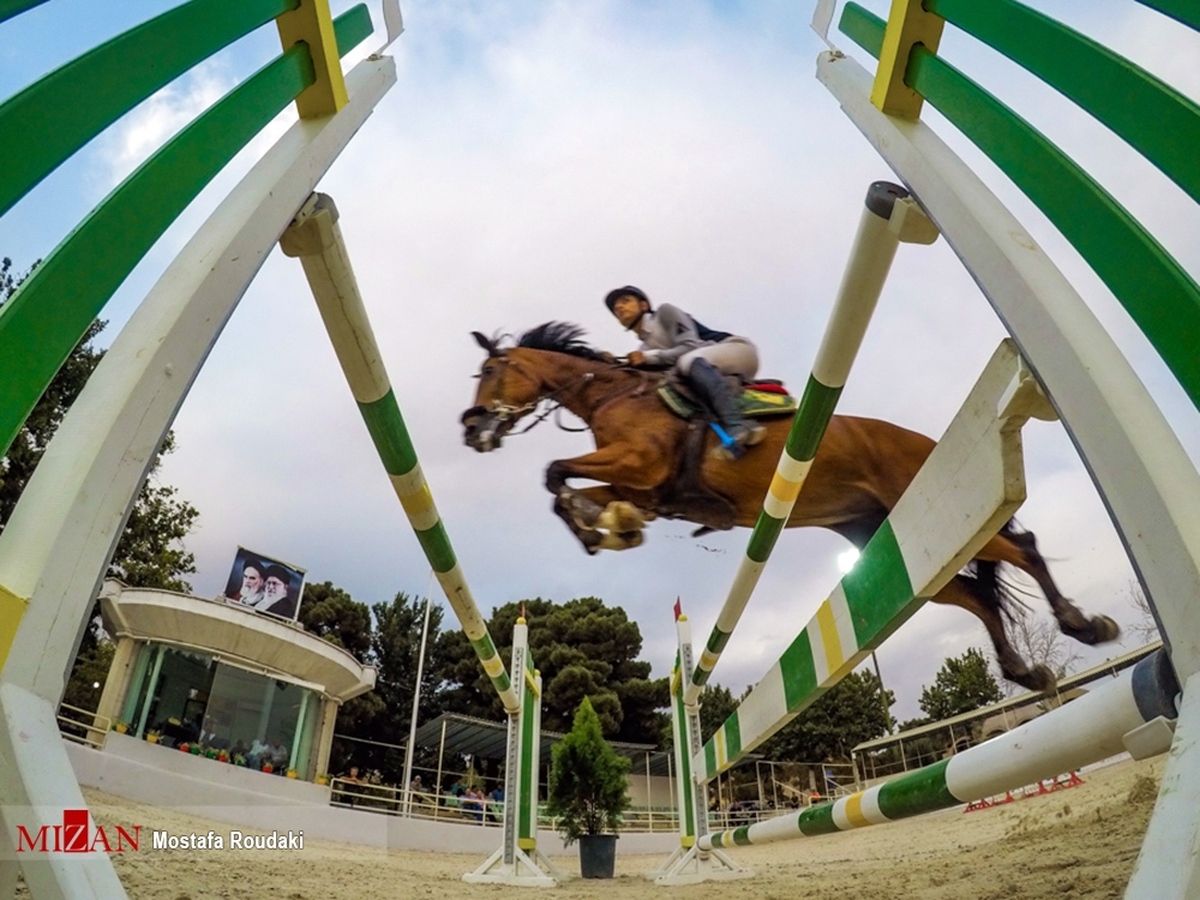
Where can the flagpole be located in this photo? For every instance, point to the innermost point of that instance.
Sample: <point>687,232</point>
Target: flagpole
<point>412,731</point>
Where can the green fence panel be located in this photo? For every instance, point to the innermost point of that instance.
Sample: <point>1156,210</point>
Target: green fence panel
<point>48,314</point>
<point>48,121</point>
<point>1154,118</point>
<point>1153,288</point>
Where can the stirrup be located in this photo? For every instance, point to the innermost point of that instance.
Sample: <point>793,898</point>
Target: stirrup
<point>747,434</point>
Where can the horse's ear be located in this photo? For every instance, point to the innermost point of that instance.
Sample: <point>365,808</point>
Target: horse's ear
<point>486,343</point>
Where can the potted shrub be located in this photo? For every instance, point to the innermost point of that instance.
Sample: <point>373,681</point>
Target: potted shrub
<point>587,794</point>
<point>292,773</point>
<point>185,747</point>
<point>268,768</point>
<point>120,727</point>
<point>152,737</point>
<point>322,778</point>
<point>239,760</point>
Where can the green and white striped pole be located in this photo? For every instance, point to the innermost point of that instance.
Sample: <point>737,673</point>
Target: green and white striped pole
<point>972,484</point>
<point>315,238</point>
<point>1133,712</point>
<point>889,218</point>
<point>688,863</point>
<point>518,860</point>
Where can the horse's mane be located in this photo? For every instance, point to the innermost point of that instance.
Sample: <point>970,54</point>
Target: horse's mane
<point>560,337</point>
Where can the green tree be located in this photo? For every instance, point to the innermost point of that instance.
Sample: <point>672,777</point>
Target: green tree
<point>583,649</point>
<point>961,685</point>
<point>150,552</point>
<point>331,613</point>
<point>588,780</point>
<point>388,637</point>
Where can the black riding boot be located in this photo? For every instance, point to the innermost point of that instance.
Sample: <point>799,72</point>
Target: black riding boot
<point>712,386</point>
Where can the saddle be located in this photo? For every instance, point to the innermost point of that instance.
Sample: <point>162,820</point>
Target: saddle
<point>760,399</point>
<point>686,496</point>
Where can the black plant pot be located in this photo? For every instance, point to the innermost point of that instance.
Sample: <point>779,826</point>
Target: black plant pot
<point>597,855</point>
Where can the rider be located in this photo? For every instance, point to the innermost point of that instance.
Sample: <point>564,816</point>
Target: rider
<point>672,338</point>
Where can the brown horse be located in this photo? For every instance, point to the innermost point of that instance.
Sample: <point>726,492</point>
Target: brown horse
<point>644,454</point>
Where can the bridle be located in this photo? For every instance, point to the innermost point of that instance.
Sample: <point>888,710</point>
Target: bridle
<point>501,412</point>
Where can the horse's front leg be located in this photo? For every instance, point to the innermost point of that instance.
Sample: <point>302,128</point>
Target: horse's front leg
<point>597,516</point>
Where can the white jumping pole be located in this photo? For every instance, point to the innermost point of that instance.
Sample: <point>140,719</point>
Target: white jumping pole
<point>410,750</point>
<point>689,863</point>
<point>76,502</point>
<point>969,487</point>
<point>1134,712</point>
<point>889,218</point>
<point>316,239</point>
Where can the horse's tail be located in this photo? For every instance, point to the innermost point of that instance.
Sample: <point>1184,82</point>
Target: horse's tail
<point>985,579</point>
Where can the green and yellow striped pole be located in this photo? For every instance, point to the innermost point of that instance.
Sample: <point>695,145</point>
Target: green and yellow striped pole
<point>315,238</point>
<point>890,217</point>
<point>972,484</point>
<point>1104,722</point>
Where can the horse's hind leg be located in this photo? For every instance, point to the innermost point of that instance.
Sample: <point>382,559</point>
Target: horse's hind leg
<point>969,594</point>
<point>1020,549</point>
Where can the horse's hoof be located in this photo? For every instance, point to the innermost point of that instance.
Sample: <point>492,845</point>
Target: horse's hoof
<point>620,517</point>
<point>1038,678</point>
<point>632,538</point>
<point>1096,630</point>
<point>1104,629</point>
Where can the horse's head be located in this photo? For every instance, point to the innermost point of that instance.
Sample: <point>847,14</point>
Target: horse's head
<point>507,391</point>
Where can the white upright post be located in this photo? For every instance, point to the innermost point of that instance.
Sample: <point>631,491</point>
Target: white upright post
<point>412,728</point>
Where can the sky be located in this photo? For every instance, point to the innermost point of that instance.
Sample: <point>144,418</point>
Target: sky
<point>532,156</point>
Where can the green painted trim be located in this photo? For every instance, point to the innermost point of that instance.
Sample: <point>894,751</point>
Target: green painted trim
<point>44,319</point>
<point>1157,293</point>
<point>762,539</point>
<point>798,671</point>
<point>41,323</point>
<point>688,821</point>
<point>1151,116</point>
<point>51,119</point>
<point>385,422</point>
<point>526,821</point>
<point>878,589</point>
<point>818,820</point>
<point>501,683</point>
<point>438,550</point>
<point>1184,11</point>
<point>710,758</point>
<point>351,28</point>
<point>717,641</point>
<point>733,736</point>
<point>863,27</point>
<point>11,8</point>
<point>917,792</point>
<point>484,648</point>
<point>808,427</point>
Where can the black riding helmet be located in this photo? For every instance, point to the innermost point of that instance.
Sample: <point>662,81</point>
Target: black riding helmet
<point>629,290</point>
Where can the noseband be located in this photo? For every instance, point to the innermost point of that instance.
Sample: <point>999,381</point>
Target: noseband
<point>502,412</point>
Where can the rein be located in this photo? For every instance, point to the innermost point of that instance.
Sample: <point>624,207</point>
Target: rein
<point>503,411</point>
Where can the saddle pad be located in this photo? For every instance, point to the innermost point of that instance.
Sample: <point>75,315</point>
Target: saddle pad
<point>755,404</point>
